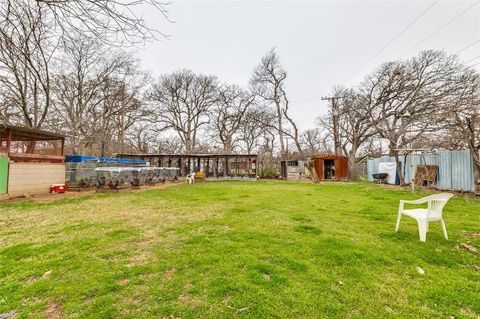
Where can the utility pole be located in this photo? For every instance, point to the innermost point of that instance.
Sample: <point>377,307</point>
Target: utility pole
<point>122,118</point>
<point>336,141</point>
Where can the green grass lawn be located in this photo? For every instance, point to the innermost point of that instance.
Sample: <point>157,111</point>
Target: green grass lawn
<point>237,250</point>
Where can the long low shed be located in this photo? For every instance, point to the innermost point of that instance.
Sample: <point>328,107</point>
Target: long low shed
<point>455,168</point>
<point>215,166</point>
<point>31,160</point>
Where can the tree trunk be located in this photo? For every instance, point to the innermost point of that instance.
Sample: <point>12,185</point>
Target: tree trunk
<point>280,127</point>
<point>188,145</point>
<point>399,168</point>
<point>476,168</point>
<point>227,146</point>
<point>310,166</point>
<point>352,160</point>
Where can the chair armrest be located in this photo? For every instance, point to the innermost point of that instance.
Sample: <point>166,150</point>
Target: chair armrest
<point>417,201</point>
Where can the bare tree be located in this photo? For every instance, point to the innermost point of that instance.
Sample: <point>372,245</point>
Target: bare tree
<point>252,128</point>
<point>314,142</point>
<point>170,145</point>
<point>403,98</point>
<point>228,115</point>
<point>268,82</point>
<point>182,101</point>
<point>86,66</point>
<point>114,22</point>
<point>27,47</point>
<point>462,119</point>
<point>354,124</point>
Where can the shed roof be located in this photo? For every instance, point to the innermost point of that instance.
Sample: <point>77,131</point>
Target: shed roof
<point>21,133</point>
<point>328,156</point>
<point>126,155</point>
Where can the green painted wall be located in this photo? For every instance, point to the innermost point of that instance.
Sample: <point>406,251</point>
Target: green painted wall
<point>3,175</point>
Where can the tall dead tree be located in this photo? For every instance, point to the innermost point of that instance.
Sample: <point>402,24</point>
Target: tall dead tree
<point>268,82</point>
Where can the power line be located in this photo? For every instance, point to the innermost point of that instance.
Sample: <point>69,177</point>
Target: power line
<point>392,40</point>
<point>441,28</point>
<point>472,59</point>
<point>307,99</point>
<point>468,46</point>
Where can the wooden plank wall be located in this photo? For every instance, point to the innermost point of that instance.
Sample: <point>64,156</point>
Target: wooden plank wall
<point>34,178</point>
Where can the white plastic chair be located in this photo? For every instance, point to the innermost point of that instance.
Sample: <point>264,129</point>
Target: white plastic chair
<point>423,216</point>
<point>190,178</point>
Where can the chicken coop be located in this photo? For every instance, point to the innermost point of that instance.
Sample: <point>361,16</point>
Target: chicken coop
<point>31,160</point>
<point>214,166</point>
<point>331,167</point>
<point>170,173</point>
<point>114,178</point>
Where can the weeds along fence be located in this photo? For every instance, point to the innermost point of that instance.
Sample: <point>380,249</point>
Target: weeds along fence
<point>455,168</point>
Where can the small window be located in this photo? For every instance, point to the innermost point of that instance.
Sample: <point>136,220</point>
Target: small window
<point>292,163</point>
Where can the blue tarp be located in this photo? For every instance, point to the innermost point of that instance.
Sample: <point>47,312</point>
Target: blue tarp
<point>81,159</point>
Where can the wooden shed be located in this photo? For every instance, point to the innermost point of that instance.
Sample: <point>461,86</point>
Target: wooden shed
<point>331,167</point>
<point>31,160</point>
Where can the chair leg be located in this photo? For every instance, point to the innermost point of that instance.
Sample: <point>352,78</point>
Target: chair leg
<point>422,229</point>
<point>428,226</point>
<point>444,229</point>
<point>397,227</point>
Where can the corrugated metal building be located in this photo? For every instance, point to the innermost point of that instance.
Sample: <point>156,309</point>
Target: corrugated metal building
<point>455,168</point>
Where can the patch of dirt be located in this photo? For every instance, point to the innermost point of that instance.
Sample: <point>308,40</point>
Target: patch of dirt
<point>30,279</point>
<point>45,198</point>
<point>123,282</point>
<point>168,274</point>
<point>53,311</point>
<point>469,313</point>
<point>140,258</point>
<point>184,297</point>
<point>133,301</point>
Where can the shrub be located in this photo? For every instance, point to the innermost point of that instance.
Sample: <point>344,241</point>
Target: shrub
<point>268,171</point>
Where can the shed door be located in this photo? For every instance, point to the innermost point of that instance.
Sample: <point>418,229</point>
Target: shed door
<point>3,175</point>
<point>319,168</point>
<point>341,168</point>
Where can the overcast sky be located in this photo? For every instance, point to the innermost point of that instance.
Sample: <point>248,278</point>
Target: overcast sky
<point>320,43</point>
